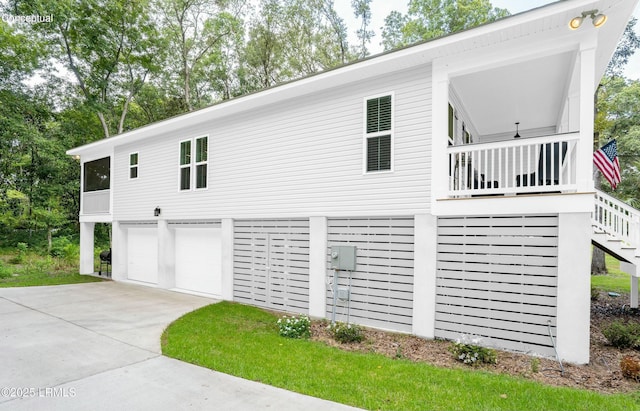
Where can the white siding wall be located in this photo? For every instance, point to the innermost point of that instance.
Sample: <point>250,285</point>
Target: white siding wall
<point>299,158</point>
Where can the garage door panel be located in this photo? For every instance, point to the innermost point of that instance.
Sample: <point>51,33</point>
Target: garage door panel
<point>198,259</point>
<point>142,254</point>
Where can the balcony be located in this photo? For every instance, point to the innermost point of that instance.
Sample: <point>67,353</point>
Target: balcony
<point>96,202</point>
<point>526,165</point>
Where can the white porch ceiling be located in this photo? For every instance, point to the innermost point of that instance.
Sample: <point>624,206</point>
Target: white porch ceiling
<point>530,92</point>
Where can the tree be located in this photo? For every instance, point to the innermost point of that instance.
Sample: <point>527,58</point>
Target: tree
<point>392,35</point>
<point>616,107</point>
<point>428,19</point>
<point>362,10</point>
<point>264,53</point>
<point>18,55</point>
<point>294,38</point>
<point>196,31</point>
<point>627,46</point>
<point>108,45</point>
<point>339,29</point>
<point>32,166</point>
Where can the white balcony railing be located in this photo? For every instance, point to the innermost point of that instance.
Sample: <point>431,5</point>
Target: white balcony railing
<point>96,202</point>
<point>524,165</point>
<point>617,219</point>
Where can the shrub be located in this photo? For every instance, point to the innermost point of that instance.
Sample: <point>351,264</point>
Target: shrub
<point>535,365</point>
<point>21,255</point>
<point>630,367</point>
<point>71,253</point>
<point>346,333</point>
<point>5,272</point>
<point>622,335</point>
<point>294,327</point>
<point>595,293</point>
<point>58,245</point>
<point>467,351</point>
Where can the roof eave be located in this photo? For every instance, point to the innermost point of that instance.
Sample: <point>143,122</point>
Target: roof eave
<point>391,61</point>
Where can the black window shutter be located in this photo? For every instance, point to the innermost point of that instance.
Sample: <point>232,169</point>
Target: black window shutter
<point>379,153</point>
<point>379,114</point>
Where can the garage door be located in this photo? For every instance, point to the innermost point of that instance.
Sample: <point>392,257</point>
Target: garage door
<point>142,253</point>
<point>198,258</point>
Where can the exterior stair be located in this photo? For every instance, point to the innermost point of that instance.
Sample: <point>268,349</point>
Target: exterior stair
<point>616,230</point>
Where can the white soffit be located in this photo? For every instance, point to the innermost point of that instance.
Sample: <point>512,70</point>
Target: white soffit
<point>531,92</point>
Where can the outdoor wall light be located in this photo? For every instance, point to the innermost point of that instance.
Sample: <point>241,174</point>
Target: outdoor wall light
<point>156,212</point>
<point>597,19</point>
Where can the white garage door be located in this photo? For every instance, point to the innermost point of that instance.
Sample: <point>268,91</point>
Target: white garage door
<point>198,259</point>
<point>142,254</point>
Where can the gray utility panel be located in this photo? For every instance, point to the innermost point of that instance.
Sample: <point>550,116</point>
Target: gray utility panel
<point>343,257</point>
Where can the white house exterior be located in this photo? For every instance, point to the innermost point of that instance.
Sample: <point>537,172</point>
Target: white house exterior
<point>411,157</point>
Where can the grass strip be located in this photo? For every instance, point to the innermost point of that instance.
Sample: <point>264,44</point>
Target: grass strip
<point>32,278</point>
<point>243,341</point>
<point>615,280</point>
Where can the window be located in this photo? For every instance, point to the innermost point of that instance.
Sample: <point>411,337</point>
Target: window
<point>201,162</point>
<point>188,153</point>
<point>185,165</point>
<point>133,165</point>
<point>97,175</point>
<point>379,131</point>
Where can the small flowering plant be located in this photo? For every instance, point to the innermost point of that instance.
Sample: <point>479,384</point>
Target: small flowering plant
<point>467,350</point>
<point>346,333</point>
<point>294,327</point>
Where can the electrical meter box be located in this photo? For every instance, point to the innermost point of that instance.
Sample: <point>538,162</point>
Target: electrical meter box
<point>343,257</point>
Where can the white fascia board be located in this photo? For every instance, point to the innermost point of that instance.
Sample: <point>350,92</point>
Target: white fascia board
<point>516,205</point>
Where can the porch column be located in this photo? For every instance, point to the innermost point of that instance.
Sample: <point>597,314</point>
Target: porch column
<point>632,270</point>
<point>584,165</point>
<point>227,259</point>
<point>118,251</point>
<point>317,266</point>
<point>424,275</point>
<point>439,126</point>
<point>86,247</point>
<point>574,279</point>
<point>166,255</point>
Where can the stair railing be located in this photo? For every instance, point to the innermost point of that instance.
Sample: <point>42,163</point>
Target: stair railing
<point>616,218</point>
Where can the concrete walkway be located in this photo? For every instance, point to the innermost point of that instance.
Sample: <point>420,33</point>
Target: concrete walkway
<point>96,346</point>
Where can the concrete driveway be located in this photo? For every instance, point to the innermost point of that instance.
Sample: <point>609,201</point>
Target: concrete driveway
<point>96,346</point>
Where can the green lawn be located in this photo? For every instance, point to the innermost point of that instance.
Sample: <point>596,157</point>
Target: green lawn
<point>244,341</point>
<point>31,269</point>
<point>616,280</point>
<point>31,279</point>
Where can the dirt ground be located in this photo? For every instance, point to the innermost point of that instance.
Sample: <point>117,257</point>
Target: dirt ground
<point>602,374</point>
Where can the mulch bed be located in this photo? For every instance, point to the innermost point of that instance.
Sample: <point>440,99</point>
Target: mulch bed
<point>602,374</point>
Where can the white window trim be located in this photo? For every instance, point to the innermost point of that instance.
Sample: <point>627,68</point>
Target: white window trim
<point>137,166</point>
<point>194,171</point>
<point>181,166</point>
<point>192,164</point>
<point>366,135</point>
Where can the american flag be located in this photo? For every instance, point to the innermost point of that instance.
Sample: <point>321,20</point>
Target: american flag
<point>606,159</point>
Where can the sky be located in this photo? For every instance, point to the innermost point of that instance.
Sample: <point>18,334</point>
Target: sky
<point>381,9</point>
